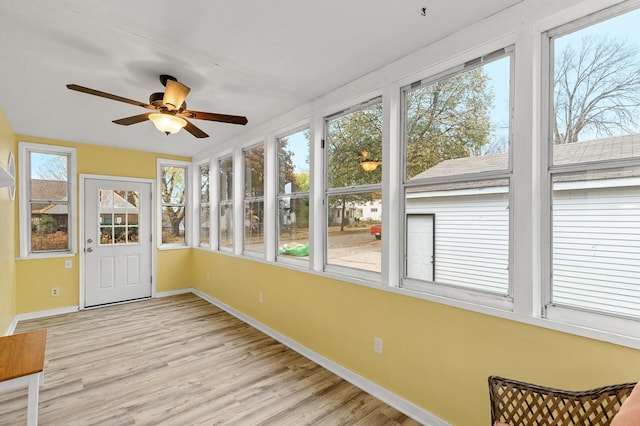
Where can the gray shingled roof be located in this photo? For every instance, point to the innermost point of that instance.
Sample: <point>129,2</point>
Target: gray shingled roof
<point>595,150</point>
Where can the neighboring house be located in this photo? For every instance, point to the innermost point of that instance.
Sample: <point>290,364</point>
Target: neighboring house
<point>458,233</point>
<point>42,189</point>
<point>368,211</point>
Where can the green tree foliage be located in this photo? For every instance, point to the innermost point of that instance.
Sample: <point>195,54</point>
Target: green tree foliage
<point>286,172</point>
<point>448,119</point>
<point>348,136</point>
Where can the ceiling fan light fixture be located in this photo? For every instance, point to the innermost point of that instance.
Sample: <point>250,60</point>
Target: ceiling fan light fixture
<point>167,123</point>
<point>369,165</point>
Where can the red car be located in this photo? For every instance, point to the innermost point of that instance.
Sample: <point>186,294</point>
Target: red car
<point>376,231</point>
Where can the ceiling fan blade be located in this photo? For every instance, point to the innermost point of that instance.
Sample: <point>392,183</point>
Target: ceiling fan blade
<point>127,121</point>
<point>108,96</point>
<point>191,128</point>
<point>210,116</point>
<point>174,95</point>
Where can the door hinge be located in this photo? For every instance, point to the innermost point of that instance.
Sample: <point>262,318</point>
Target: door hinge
<point>322,143</point>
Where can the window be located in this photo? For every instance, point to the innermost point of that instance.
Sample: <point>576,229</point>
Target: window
<point>205,205</point>
<point>457,179</point>
<point>225,204</point>
<point>173,207</point>
<point>47,174</point>
<point>254,199</point>
<point>293,196</point>
<point>594,171</point>
<point>353,183</point>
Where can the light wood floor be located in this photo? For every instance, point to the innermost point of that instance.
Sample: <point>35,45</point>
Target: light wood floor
<point>182,361</point>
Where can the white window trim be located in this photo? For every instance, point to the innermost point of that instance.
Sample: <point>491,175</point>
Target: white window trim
<point>467,295</point>
<point>326,192</point>
<point>24,149</point>
<point>189,213</point>
<point>254,253</point>
<point>600,325</point>
<point>197,226</point>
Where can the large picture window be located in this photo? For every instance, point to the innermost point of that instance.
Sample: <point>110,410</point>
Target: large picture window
<point>457,178</point>
<point>595,170</point>
<point>354,187</point>
<point>254,199</point>
<point>49,177</point>
<point>293,196</point>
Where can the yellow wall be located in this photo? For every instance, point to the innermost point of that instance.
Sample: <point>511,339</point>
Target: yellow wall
<point>7,255</point>
<point>35,277</point>
<point>436,356</point>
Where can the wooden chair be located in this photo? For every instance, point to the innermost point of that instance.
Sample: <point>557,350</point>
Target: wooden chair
<point>526,404</point>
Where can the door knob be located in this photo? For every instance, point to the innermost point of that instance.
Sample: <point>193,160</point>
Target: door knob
<point>89,249</point>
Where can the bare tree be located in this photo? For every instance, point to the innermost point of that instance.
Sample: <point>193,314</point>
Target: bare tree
<point>596,88</point>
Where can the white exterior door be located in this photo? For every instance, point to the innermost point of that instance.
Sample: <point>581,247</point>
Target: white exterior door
<point>420,246</point>
<point>117,241</point>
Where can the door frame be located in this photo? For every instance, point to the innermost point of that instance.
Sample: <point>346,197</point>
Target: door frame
<point>82,245</point>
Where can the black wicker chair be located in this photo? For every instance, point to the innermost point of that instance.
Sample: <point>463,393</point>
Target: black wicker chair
<point>525,404</point>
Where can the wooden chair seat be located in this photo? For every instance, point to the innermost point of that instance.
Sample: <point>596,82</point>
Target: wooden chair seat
<point>525,404</point>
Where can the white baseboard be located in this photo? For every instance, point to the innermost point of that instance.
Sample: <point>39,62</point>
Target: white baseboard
<point>41,314</point>
<point>12,327</point>
<point>174,292</point>
<point>410,409</point>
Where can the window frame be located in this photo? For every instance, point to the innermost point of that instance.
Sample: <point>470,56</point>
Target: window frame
<point>225,202</point>
<point>327,192</point>
<point>202,205</point>
<point>293,195</point>
<point>25,149</point>
<point>434,288</point>
<point>253,199</point>
<point>188,215</point>
<point>602,321</point>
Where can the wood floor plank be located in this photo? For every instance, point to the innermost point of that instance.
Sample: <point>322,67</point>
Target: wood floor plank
<point>182,361</point>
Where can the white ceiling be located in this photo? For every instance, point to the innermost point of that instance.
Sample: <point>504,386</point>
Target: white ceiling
<point>255,58</point>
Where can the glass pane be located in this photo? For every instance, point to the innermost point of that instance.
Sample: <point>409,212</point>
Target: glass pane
<point>173,224</point>
<point>49,177</point>
<point>205,225</point>
<point>49,227</point>
<point>173,184</point>
<point>596,241</point>
<point>459,124</point>
<point>596,92</point>
<point>458,234</point>
<point>106,235</point>
<point>254,172</point>
<point>354,220</point>
<point>132,236</point>
<point>120,235</point>
<point>293,163</point>
<point>354,144</point>
<point>226,226</point>
<point>204,184</point>
<point>293,227</point>
<point>254,226</point>
<point>226,179</point>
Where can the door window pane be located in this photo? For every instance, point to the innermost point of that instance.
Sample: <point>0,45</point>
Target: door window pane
<point>118,216</point>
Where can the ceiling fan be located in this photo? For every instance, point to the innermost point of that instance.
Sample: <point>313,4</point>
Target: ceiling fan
<point>170,108</point>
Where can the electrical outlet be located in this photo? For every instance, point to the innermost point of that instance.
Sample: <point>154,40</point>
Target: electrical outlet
<point>377,345</point>
<point>55,291</point>
<point>68,264</point>
<point>260,298</point>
